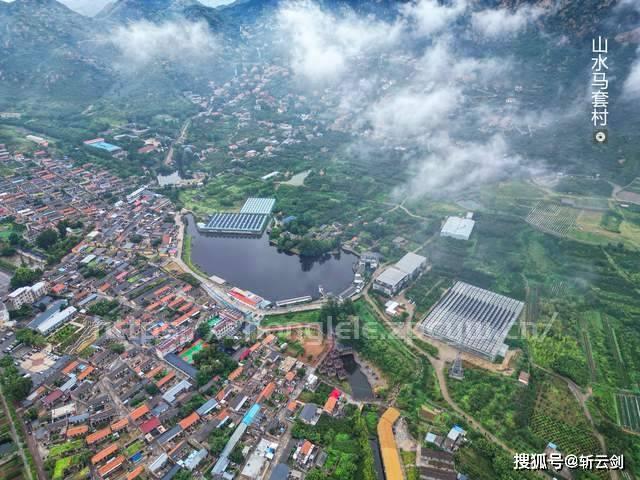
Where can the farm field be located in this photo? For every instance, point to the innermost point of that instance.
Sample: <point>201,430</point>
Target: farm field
<point>553,218</point>
<point>631,193</point>
<point>558,418</point>
<point>628,407</point>
<point>13,467</point>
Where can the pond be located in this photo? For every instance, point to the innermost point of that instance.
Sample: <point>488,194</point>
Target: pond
<point>251,263</point>
<point>358,381</point>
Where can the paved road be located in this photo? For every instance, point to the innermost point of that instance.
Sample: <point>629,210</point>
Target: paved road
<point>180,139</point>
<point>5,278</point>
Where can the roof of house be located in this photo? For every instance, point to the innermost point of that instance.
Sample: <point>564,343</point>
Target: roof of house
<point>70,366</point>
<point>306,448</point>
<point>207,406</point>
<point>388,446</point>
<point>75,431</point>
<point>119,424</point>
<point>86,372</point>
<point>267,391</point>
<point>189,420</point>
<point>391,276</point>
<point>149,425</point>
<point>135,472</point>
<point>410,262</point>
<point>165,379</point>
<point>308,412</point>
<point>280,472</point>
<point>99,435</point>
<point>104,453</point>
<point>330,405</point>
<point>139,412</point>
<point>111,465</point>
<point>236,373</point>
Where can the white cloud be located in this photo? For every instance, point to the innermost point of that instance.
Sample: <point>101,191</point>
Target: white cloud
<point>631,87</point>
<point>183,42</point>
<point>323,45</point>
<point>430,16</point>
<point>496,22</point>
<point>453,166</point>
<point>440,63</point>
<point>441,104</point>
<point>408,114</point>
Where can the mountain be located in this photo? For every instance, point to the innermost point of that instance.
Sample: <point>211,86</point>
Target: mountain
<point>44,52</point>
<point>125,11</point>
<point>29,23</point>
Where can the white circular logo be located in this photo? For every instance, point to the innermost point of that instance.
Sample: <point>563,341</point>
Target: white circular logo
<point>601,137</point>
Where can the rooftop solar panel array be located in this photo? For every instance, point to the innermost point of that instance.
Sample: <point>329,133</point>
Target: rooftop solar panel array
<point>473,319</point>
<point>237,223</point>
<point>262,206</point>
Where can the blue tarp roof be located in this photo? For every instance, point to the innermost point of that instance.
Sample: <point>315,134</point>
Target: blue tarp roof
<point>251,414</point>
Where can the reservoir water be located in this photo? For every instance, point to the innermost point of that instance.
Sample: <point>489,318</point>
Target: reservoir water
<point>251,263</point>
<point>358,381</point>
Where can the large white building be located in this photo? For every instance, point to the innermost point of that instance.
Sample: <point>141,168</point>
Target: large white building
<point>396,277</point>
<point>56,320</point>
<point>473,319</point>
<point>458,228</point>
<point>26,295</point>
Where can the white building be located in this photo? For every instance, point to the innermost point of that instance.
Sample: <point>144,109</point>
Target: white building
<point>396,277</point>
<point>56,320</point>
<point>458,228</point>
<point>26,295</point>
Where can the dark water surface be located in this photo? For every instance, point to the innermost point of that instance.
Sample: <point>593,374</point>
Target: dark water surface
<point>358,381</point>
<point>251,263</point>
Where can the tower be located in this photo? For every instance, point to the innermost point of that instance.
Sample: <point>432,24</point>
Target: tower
<point>456,371</point>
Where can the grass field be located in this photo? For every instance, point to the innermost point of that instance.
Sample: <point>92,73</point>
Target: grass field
<point>62,448</point>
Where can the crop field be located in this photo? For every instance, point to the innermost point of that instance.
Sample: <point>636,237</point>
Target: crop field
<point>13,469</point>
<point>631,193</point>
<point>554,219</point>
<point>634,186</point>
<point>558,418</point>
<point>628,407</point>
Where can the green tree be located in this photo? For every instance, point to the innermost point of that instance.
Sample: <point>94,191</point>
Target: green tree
<point>47,239</point>
<point>117,348</point>
<point>204,330</point>
<point>25,276</point>
<point>29,337</point>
